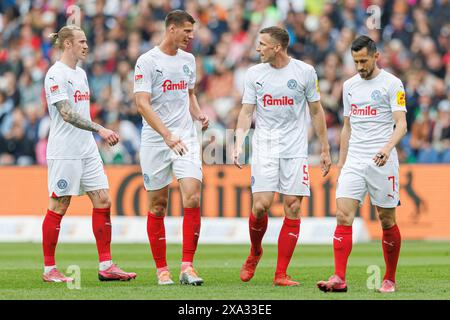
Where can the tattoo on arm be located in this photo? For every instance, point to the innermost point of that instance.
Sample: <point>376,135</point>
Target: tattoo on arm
<point>75,118</point>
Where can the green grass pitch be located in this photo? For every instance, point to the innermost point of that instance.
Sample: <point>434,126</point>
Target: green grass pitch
<point>423,273</point>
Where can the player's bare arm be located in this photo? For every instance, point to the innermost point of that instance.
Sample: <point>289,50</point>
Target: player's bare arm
<point>345,138</point>
<point>318,120</point>
<point>78,121</point>
<point>400,130</point>
<point>146,111</point>
<point>195,110</point>
<point>243,125</point>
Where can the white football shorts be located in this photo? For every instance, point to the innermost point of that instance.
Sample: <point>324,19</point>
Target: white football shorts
<point>288,176</point>
<point>382,183</point>
<point>158,163</point>
<point>74,177</point>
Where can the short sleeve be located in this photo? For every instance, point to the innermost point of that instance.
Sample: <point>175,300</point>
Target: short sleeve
<point>397,96</point>
<point>143,77</point>
<point>345,102</point>
<point>55,87</point>
<point>192,75</point>
<point>249,96</point>
<point>312,86</point>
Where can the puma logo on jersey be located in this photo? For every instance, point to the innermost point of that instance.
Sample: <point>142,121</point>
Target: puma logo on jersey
<point>160,72</point>
<point>293,235</point>
<point>390,195</point>
<point>338,238</point>
<point>260,84</point>
<point>256,229</point>
<point>70,82</point>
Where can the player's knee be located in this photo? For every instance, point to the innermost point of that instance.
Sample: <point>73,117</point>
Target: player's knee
<point>387,219</point>
<point>105,202</point>
<point>293,208</point>
<point>260,209</point>
<point>59,205</point>
<point>344,218</point>
<point>159,207</point>
<point>192,201</point>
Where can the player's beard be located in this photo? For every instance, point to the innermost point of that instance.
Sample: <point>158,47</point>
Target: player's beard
<point>368,74</point>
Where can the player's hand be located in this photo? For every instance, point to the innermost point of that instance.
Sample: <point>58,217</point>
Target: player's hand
<point>236,154</point>
<point>325,162</point>
<point>109,136</point>
<point>174,142</point>
<point>204,120</point>
<point>381,157</point>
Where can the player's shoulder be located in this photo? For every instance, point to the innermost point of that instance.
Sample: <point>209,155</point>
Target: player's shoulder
<point>390,79</point>
<point>56,71</point>
<point>148,57</point>
<point>352,80</point>
<point>186,55</point>
<point>81,71</point>
<point>303,65</point>
<point>257,69</point>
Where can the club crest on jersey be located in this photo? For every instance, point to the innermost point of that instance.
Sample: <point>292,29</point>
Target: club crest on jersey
<point>62,184</point>
<point>252,181</point>
<point>292,84</point>
<point>54,89</point>
<point>169,86</point>
<point>268,100</point>
<point>364,111</point>
<point>78,96</point>
<point>186,70</point>
<point>376,95</point>
<point>401,100</point>
<point>146,179</point>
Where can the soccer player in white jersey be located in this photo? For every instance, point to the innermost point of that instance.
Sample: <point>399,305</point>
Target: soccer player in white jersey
<point>279,89</point>
<point>374,101</point>
<point>164,83</point>
<point>74,163</point>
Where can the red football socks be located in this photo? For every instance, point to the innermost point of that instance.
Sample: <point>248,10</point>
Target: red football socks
<point>50,233</point>
<point>287,240</point>
<point>156,232</point>
<point>191,233</point>
<point>342,245</point>
<point>101,226</point>
<point>257,228</point>
<point>391,250</point>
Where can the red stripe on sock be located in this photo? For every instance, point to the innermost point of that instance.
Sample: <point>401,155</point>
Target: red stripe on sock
<point>287,240</point>
<point>50,233</point>
<point>342,246</point>
<point>156,232</point>
<point>101,226</point>
<point>191,233</point>
<point>257,229</point>
<point>391,242</point>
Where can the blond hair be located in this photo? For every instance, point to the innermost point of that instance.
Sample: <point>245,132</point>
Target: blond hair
<point>65,33</point>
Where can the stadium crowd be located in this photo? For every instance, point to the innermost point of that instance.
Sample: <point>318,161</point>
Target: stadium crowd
<point>413,38</point>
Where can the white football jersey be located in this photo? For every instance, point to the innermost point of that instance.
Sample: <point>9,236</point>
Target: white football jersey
<point>369,105</point>
<point>280,96</point>
<point>168,79</point>
<point>65,140</point>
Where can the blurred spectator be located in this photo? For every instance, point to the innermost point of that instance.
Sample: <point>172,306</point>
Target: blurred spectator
<point>414,41</point>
